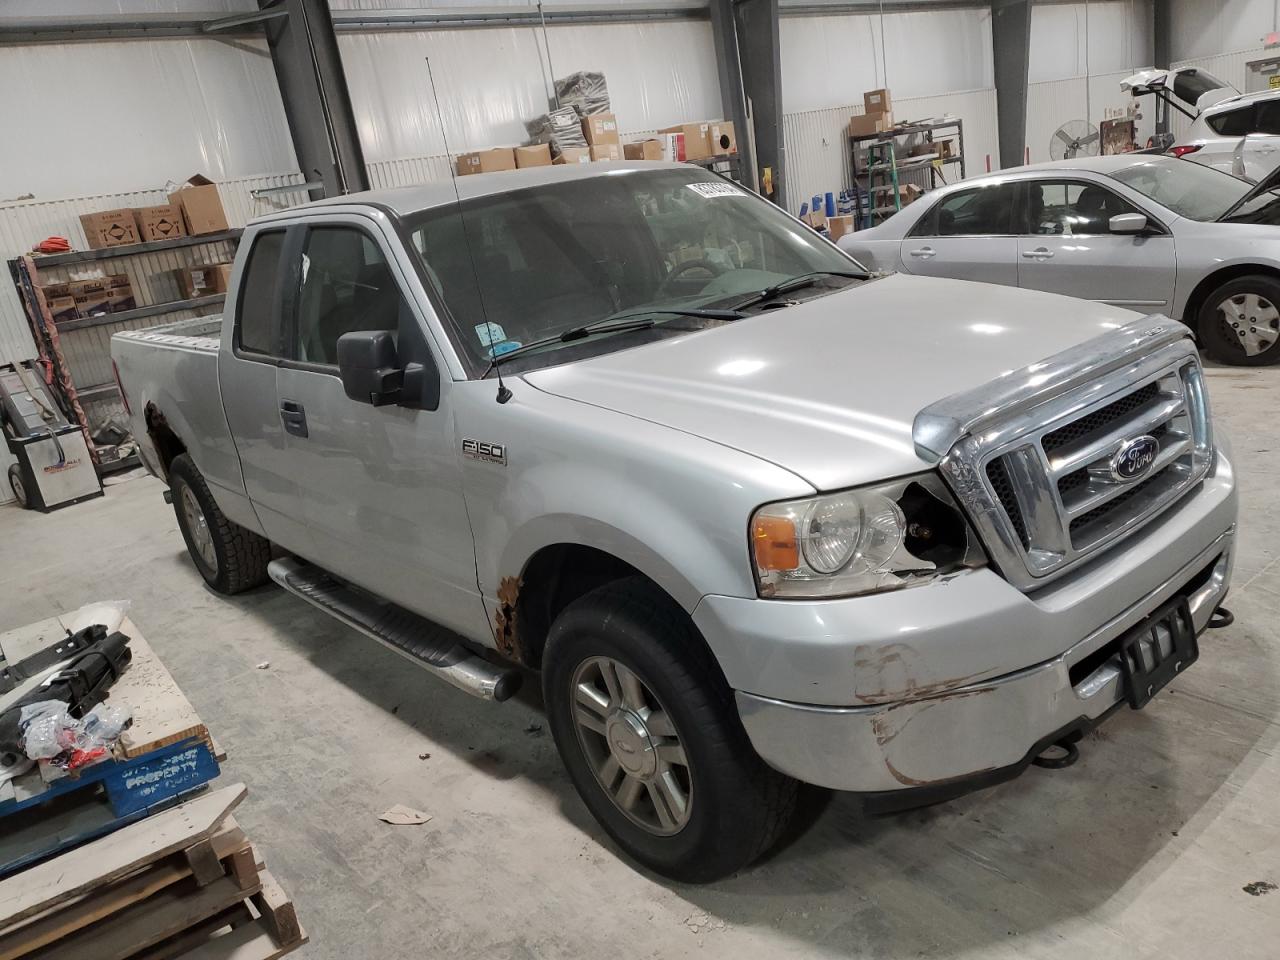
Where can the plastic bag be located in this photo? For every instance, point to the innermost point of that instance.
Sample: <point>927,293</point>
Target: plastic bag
<point>586,91</point>
<point>47,729</point>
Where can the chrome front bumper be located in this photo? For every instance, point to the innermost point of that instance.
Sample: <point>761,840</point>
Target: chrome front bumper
<point>973,730</point>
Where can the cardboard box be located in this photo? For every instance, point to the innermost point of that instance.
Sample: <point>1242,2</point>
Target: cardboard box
<point>672,147</point>
<point>839,226</point>
<point>600,128</point>
<point>120,298</point>
<point>908,192</point>
<point>92,304</point>
<point>163,222</point>
<point>80,288</point>
<point>574,155</point>
<point>203,279</point>
<point>723,139</point>
<point>109,228</point>
<point>118,280</point>
<point>486,161</point>
<point>61,308</point>
<point>606,151</point>
<point>534,155</point>
<point>877,101</point>
<point>870,124</point>
<point>697,140</point>
<point>51,290</point>
<point>644,150</point>
<point>201,206</point>
<point>816,219</point>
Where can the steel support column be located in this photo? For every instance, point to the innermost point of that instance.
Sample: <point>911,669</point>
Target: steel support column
<point>1162,32</point>
<point>1011,46</point>
<point>733,100</point>
<point>760,68</point>
<point>317,103</point>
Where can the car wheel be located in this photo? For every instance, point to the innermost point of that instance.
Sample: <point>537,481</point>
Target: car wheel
<point>17,486</point>
<point>229,557</point>
<point>648,730</point>
<point>1239,322</point>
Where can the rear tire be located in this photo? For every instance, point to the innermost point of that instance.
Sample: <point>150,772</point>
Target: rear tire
<point>18,487</point>
<point>229,557</point>
<point>665,728</point>
<point>1239,322</point>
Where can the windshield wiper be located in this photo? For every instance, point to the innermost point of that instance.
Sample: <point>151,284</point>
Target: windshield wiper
<point>794,283</point>
<point>618,323</point>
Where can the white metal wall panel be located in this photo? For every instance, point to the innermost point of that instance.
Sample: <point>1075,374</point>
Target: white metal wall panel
<point>1050,104</point>
<point>830,60</point>
<point>108,117</point>
<point>817,141</point>
<point>1075,39</point>
<point>1207,28</point>
<point>490,81</point>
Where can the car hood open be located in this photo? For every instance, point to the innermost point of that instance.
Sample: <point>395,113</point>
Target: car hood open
<point>828,388</point>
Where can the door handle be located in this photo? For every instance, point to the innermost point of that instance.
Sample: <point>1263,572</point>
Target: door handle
<point>293,417</point>
<point>924,253</point>
<point>1039,253</point>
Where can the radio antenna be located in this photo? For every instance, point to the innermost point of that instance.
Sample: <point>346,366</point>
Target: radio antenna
<point>504,394</point>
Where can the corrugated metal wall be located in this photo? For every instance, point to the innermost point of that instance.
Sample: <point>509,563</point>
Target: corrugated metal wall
<point>817,141</point>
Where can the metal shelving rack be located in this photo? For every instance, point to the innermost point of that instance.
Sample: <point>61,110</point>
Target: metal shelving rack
<point>47,332</point>
<point>725,164</point>
<point>870,178</point>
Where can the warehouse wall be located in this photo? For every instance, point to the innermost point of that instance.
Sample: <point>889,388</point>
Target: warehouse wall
<point>935,64</point>
<point>1204,29</point>
<point>1079,54</point>
<point>491,80</point>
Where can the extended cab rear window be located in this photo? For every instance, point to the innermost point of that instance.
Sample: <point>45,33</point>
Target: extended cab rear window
<point>260,295</point>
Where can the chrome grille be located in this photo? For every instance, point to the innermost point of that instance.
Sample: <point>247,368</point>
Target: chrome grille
<point>1039,483</point>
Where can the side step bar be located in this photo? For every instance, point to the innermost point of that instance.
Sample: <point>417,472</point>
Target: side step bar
<point>427,644</point>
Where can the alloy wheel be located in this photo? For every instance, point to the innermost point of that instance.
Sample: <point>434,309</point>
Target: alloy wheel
<point>1253,322</point>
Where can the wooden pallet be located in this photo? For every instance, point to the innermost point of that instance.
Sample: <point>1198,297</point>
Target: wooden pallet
<point>184,883</point>
<point>166,754</point>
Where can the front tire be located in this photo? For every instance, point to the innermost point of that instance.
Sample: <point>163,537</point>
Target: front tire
<point>1239,322</point>
<point>229,557</point>
<point>647,728</point>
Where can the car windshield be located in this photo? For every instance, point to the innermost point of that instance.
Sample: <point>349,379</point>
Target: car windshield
<point>531,264</point>
<point>1187,188</point>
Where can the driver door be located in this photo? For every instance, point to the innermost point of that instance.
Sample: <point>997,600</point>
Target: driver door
<point>967,235</point>
<point>380,486</point>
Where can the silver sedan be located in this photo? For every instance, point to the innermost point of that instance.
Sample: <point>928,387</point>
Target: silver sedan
<point>1151,233</point>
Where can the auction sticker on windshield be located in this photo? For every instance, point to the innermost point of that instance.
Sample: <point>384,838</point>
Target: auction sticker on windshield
<point>715,189</point>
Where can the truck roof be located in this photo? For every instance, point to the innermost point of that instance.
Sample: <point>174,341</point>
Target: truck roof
<point>404,201</point>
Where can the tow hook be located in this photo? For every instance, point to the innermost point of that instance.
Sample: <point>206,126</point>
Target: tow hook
<point>1222,617</point>
<point>1058,756</point>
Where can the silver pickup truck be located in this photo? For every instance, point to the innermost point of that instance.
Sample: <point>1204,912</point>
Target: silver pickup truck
<point>753,515</point>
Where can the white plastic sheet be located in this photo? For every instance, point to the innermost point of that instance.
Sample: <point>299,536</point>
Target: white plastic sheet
<point>491,80</point>
<point>105,117</point>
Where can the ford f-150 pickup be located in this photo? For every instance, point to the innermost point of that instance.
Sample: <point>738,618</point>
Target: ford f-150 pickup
<point>753,515</point>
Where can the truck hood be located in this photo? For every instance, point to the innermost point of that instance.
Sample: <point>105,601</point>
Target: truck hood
<point>828,389</point>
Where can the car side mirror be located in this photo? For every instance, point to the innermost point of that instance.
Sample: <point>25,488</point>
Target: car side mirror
<point>369,367</point>
<point>1127,223</point>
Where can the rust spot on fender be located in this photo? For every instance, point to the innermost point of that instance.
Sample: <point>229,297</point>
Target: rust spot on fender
<point>505,630</point>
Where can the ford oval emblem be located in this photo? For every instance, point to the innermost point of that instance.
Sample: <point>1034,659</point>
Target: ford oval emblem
<point>1135,458</point>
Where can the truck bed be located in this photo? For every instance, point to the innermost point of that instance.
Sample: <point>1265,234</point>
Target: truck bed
<point>202,334</point>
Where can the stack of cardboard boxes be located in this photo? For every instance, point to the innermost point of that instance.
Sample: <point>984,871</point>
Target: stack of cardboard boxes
<point>193,209</point>
<point>77,299</point>
<point>686,141</point>
<point>877,115</point>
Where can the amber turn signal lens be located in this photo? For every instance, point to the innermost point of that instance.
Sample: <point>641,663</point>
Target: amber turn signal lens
<point>774,539</point>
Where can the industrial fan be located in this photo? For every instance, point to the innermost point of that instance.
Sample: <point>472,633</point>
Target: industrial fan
<point>1075,138</point>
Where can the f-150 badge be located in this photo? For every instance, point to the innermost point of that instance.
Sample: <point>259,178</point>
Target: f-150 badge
<point>480,450</point>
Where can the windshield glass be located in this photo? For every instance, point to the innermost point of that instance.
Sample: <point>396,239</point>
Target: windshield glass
<point>530,264</point>
<point>1187,188</point>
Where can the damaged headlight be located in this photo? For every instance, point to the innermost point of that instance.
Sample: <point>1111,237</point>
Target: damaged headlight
<point>872,539</point>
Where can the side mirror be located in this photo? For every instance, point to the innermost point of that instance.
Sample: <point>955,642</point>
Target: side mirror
<point>371,372</point>
<point>1127,223</point>
<point>369,367</point>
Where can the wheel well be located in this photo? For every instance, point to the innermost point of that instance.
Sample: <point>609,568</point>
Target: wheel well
<point>1190,316</point>
<point>166,443</point>
<point>553,578</point>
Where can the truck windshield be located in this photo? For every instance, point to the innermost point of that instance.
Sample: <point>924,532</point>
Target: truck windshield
<point>1189,189</point>
<point>530,264</point>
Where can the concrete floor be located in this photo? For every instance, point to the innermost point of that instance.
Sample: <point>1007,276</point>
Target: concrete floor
<point>1141,850</point>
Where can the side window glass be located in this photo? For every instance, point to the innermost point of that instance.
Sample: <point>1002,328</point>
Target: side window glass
<point>1268,117</point>
<point>1071,209</point>
<point>983,211</point>
<point>1233,123</point>
<point>259,295</point>
<point>347,285</point>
